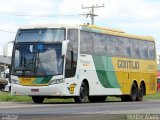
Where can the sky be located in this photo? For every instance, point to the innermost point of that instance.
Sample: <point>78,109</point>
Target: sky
<point>140,17</point>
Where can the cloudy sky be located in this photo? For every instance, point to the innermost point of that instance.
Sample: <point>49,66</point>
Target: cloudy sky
<point>140,17</point>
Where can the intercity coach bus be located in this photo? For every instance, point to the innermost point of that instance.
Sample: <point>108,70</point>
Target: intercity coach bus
<point>85,62</point>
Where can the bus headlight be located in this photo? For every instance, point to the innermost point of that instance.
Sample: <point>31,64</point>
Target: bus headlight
<point>13,81</point>
<point>56,81</point>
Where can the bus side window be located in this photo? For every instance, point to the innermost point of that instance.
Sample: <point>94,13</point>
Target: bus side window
<point>143,49</point>
<point>112,45</point>
<point>99,44</point>
<point>124,47</point>
<point>69,69</point>
<point>86,43</point>
<point>72,53</point>
<point>151,50</point>
<point>135,48</point>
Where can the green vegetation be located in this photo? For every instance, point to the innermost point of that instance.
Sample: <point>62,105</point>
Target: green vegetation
<point>6,97</point>
<point>153,97</point>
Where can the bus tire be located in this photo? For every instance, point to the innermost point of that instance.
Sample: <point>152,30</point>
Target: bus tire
<point>37,99</point>
<point>140,93</point>
<point>84,91</point>
<point>134,92</point>
<point>97,98</point>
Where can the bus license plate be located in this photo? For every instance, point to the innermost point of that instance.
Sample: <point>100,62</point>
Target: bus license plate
<point>34,90</point>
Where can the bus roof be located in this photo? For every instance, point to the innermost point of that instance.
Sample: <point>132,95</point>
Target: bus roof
<point>91,28</point>
<point>115,32</point>
<point>50,26</point>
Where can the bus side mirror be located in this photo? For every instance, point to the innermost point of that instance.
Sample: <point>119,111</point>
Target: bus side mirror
<point>64,47</point>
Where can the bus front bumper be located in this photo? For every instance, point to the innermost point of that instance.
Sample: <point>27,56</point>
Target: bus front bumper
<point>51,90</point>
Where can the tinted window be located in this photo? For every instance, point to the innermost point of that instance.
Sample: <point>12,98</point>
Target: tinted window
<point>135,53</point>
<point>72,51</point>
<point>99,44</point>
<point>73,38</point>
<point>124,47</point>
<point>151,50</point>
<point>143,49</point>
<point>112,45</point>
<point>40,35</point>
<point>86,43</point>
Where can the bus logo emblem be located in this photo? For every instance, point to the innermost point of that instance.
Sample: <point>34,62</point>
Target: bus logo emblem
<point>71,88</point>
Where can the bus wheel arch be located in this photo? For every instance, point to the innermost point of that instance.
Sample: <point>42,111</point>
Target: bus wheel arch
<point>133,93</point>
<point>83,92</point>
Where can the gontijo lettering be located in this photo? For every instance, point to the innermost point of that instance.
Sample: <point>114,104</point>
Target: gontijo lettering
<point>128,64</point>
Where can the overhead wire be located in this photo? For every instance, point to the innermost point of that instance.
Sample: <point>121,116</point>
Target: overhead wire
<point>33,15</point>
<point>37,15</point>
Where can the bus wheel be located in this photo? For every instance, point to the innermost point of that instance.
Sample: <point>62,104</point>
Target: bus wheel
<point>83,94</point>
<point>97,98</point>
<point>134,92</point>
<point>140,93</point>
<point>37,99</point>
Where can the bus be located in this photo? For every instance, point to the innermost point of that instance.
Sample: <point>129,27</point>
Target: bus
<point>84,62</point>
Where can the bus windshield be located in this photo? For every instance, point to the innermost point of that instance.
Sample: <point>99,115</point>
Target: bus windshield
<point>37,59</point>
<point>40,35</point>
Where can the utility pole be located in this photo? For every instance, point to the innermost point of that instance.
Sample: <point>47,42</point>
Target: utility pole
<point>91,13</point>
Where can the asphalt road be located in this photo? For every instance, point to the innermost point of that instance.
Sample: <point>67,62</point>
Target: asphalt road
<point>72,111</point>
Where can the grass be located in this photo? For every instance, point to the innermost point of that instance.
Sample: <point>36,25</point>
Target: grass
<point>153,96</point>
<point>7,97</point>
